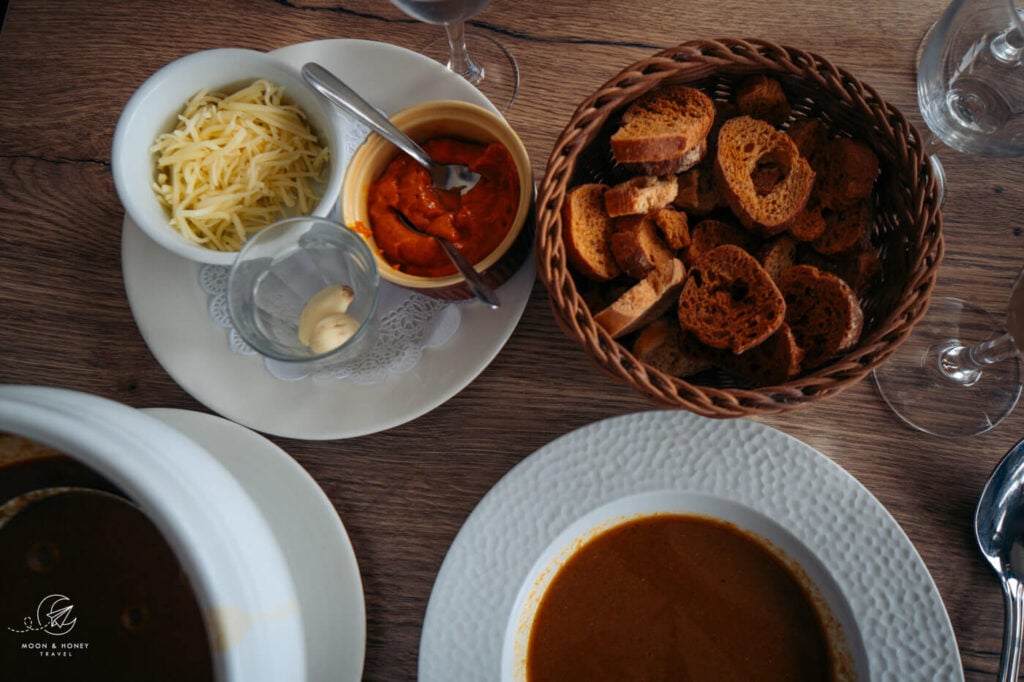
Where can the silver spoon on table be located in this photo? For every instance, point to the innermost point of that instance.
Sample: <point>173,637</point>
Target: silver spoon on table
<point>999,529</point>
<point>476,282</point>
<point>447,177</point>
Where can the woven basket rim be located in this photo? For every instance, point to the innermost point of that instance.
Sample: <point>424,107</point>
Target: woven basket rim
<point>689,62</point>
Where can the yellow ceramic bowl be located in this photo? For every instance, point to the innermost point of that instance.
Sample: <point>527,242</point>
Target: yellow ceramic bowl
<point>449,118</point>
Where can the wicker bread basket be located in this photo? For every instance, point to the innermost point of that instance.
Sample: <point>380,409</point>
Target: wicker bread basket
<point>907,229</point>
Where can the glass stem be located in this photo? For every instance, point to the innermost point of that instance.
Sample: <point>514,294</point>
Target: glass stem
<point>458,59</point>
<point>964,364</point>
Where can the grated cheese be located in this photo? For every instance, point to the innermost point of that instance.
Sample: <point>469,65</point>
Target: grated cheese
<point>236,163</point>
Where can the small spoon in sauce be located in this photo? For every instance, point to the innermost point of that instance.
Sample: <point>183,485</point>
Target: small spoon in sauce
<point>999,529</point>
<point>447,177</point>
<point>476,283</point>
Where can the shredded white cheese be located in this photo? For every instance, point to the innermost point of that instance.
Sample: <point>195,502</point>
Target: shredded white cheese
<point>236,163</point>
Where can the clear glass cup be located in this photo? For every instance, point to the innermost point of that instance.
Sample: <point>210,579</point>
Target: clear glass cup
<point>281,268</point>
<point>478,58</point>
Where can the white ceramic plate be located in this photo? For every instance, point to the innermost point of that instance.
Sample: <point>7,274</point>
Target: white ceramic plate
<point>902,623</point>
<point>320,557</point>
<point>171,310</point>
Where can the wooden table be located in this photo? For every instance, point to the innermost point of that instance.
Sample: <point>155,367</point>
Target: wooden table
<point>66,69</point>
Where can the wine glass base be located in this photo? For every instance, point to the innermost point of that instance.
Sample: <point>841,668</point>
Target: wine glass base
<point>500,81</point>
<point>913,385</point>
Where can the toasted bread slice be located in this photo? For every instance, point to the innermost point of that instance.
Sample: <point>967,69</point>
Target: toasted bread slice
<point>671,166</point>
<point>845,230</point>
<point>586,231</point>
<point>823,312</point>
<point>848,174</point>
<point>810,135</point>
<point>673,226</point>
<point>730,301</point>
<point>697,193</point>
<point>637,246</point>
<point>664,125</point>
<point>762,97</point>
<point>774,361</point>
<point>711,233</point>
<point>746,144</point>
<point>809,224</point>
<point>778,255</point>
<point>658,346</point>
<point>645,301</point>
<point>861,268</point>
<point>639,195</point>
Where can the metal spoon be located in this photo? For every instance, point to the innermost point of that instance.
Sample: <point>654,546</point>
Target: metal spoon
<point>447,177</point>
<point>999,529</point>
<point>476,283</point>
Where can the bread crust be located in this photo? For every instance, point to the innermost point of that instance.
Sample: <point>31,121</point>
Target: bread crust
<point>677,164</point>
<point>663,124</point>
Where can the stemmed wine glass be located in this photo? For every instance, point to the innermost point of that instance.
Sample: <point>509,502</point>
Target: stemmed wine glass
<point>491,68</point>
<point>969,83</point>
<point>958,374</point>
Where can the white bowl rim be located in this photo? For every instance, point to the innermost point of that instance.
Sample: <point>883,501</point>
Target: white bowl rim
<point>845,637</point>
<point>524,209</point>
<point>131,162</point>
<point>222,540</point>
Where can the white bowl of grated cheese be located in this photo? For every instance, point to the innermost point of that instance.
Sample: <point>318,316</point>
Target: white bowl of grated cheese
<point>220,143</point>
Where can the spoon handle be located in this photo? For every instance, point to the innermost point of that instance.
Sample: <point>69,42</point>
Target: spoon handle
<point>476,283</point>
<point>347,99</point>
<point>1013,608</point>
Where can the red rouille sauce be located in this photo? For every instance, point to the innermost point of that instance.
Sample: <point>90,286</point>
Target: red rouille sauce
<point>476,222</point>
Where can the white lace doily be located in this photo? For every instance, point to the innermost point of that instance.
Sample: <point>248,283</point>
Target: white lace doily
<point>409,322</point>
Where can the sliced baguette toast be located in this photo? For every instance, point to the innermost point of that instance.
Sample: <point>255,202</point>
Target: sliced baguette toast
<point>645,301</point>
<point>658,346</point>
<point>586,231</point>
<point>639,195</point>
<point>823,312</point>
<point>637,246</point>
<point>664,131</point>
<point>730,301</point>
<point>746,144</point>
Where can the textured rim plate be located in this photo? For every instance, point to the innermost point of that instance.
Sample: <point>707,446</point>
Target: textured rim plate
<point>313,539</point>
<point>171,310</point>
<point>899,613</point>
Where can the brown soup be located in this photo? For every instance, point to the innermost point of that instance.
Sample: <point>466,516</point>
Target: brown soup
<point>677,597</point>
<point>89,588</point>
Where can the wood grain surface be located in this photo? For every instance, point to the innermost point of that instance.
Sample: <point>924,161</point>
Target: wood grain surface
<point>67,69</point>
